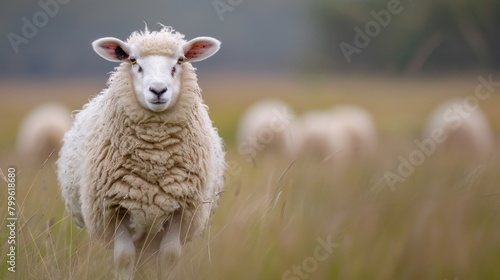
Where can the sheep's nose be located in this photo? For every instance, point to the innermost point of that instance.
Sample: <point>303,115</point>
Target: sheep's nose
<point>158,91</point>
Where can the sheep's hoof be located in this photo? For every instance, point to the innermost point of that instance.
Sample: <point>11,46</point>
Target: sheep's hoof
<point>124,266</point>
<point>121,275</point>
<point>170,253</point>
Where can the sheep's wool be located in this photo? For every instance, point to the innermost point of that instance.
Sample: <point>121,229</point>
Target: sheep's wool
<point>163,42</point>
<point>121,160</point>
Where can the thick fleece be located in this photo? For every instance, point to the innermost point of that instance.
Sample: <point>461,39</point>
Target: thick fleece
<point>120,160</point>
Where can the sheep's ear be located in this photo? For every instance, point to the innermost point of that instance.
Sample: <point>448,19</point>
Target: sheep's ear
<point>111,49</point>
<point>200,48</point>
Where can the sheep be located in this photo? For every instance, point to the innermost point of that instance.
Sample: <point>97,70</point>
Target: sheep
<point>317,136</point>
<point>41,132</point>
<point>342,134</point>
<point>460,130</point>
<point>265,126</point>
<point>360,128</point>
<point>142,167</point>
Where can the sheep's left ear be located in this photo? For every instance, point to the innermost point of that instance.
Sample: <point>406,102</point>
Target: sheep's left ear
<point>200,48</point>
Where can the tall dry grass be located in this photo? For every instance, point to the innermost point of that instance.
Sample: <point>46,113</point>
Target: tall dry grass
<point>442,222</point>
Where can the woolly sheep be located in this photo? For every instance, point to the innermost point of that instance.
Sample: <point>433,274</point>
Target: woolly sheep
<point>265,126</point>
<point>360,128</point>
<point>42,131</point>
<point>465,131</point>
<point>317,136</point>
<point>342,133</point>
<point>143,165</point>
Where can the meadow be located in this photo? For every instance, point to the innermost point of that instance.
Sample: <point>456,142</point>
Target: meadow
<point>282,219</point>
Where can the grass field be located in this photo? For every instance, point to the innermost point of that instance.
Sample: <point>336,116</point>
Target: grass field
<point>288,220</point>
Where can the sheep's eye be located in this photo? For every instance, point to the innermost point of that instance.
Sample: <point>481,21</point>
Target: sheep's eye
<point>173,71</point>
<point>180,60</point>
<point>133,60</point>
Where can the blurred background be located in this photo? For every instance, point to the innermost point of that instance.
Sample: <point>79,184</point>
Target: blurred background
<point>398,60</point>
<point>260,36</point>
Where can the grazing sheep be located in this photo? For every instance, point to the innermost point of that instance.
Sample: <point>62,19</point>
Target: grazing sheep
<point>359,126</point>
<point>142,167</point>
<point>342,134</point>
<point>42,131</point>
<point>318,136</point>
<point>265,126</point>
<point>460,130</point>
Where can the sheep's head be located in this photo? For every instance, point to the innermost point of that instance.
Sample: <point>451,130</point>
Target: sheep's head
<point>156,59</point>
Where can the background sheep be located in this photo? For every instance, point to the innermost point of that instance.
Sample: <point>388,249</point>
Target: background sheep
<point>343,133</point>
<point>360,129</point>
<point>318,136</point>
<point>265,126</point>
<point>466,131</point>
<point>142,166</point>
<point>42,131</point>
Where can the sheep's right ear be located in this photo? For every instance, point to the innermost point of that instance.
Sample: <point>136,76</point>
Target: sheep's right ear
<point>111,49</point>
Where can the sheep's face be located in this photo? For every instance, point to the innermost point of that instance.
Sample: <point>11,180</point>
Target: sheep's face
<point>156,78</point>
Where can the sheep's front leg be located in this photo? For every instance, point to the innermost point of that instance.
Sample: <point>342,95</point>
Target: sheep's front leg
<point>170,247</point>
<point>124,252</point>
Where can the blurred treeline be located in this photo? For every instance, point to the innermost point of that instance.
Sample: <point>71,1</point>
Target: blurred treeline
<point>426,36</point>
<point>278,36</point>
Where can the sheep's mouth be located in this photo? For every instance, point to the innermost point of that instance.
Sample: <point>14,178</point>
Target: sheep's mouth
<point>157,102</point>
<point>158,105</point>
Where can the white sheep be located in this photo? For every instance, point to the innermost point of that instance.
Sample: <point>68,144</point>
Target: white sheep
<point>461,130</point>
<point>317,136</point>
<point>142,167</point>
<point>265,126</point>
<point>359,126</point>
<point>42,131</point>
<point>341,134</point>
